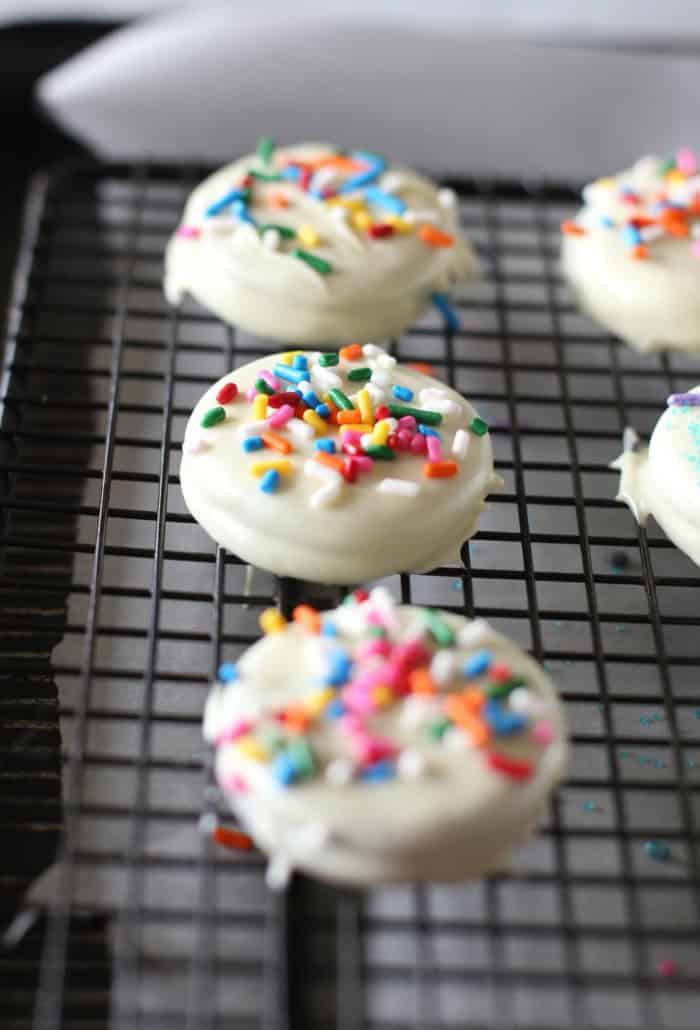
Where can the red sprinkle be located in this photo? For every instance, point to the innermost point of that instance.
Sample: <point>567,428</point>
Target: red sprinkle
<point>279,399</point>
<point>499,672</point>
<point>228,393</point>
<point>381,229</point>
<point>382,412</point>
<point>247,182</point>
<point>513,768</point>
<point>349,470</point>
<point>232,839</point>
<point>360,595</point>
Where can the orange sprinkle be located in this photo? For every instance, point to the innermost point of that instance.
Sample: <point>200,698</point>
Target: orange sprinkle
<point>232,839</point>
<point>459,711</point>
<point>674,222</point>
<point>421,682</point>
<point>330,460</point>
<point>440,469</point>
<point>572,229</point>
<point>276,199</point>
<point>351,353</point>
<point>422,366</point>
<point>339,161</point>
<point>435,237</point>
<point>307,617</point>
<point>346,418</point>
<point>640,252</point>
<point>641,221</point>
<point>278,443</point>
<point>296,719</point>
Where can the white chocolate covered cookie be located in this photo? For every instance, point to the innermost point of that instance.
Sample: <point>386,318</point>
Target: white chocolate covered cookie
<point>314,245</point>
<point>632,255</point>
<point>337,467</point>
<point>663,479</point>
<point>381,743</point>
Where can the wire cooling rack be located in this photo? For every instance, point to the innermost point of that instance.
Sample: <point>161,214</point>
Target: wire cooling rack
<point>116,610</point>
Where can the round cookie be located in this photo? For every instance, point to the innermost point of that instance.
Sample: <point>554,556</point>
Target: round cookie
<point>632,254</point>
<point>383,743</point>
<point>337,467</point>
<point>663,479</point>
<point>313,245</point>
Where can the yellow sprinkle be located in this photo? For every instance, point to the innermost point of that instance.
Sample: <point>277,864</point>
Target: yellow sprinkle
<point>272,621</point>
<point>251,748</point>
<point>380,435</point>
<point>281,465</point>
<point>361,220</point>
<point>318,699</point>
<point>383,696</point>
<point>307,235</point>
<point>260,407</point>
<point>313,419</point>
<point>351,203</point>
<point>399,223</point>
<point>288,357</point>
<point>607,181</point>
<point>356,427</point>
<point>675,176</point>
<point>364,403</point>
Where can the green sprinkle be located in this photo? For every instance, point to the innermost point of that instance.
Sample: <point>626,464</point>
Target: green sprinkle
<point>478,426</point>
<point>301,755</point>
<point>264,176</point>
<point>272,740</point>
<point>437,730</point>
<point>666,166</point>
<point>379,451</point>
<point>265,149</point>
<point>377,631</point>
<point>496,689</point>
<point>340,400</point>
<point>439,629</point>
<point>427,418</point>
<point>317,263</point>
<point>213,417</point>
<point>360,375</point>
<point>262,387</point>
<point>328,359</point>
<point>285,232</point>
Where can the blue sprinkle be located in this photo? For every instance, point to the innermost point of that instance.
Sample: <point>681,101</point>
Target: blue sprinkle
<point>334,709</point>
<point>300,362</point>
<point>241,211</point>
<point>252,443</point>
<point>452,320</point>
<point>376,167</point>
<point>309,396</point>
<point>227,673</point>
<point>477,664</point>
<point>218,206</point>
<point>388,201</point>
<point>503,722</point>
<point>339,669</point>
<point>284,769</point>
<point>656,850</point>
<point>290,375</point>
<point>329,629</point>
<point>428,431</point>
<point>630,235</point>
<point>402,393</point>
<point>322,410</point>
<point>378,772</point>
<point>325,445</point>
<point>606,222</point>
<point>270,481</point>
<point>291,173</point>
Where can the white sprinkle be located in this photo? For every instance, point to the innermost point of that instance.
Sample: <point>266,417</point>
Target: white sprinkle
<point>380,378</point>
<point>442,667</point>
<point>253,428</point>
<point>399,487</point>
<point>460,444</point>
<point>418,710</point>
<point>279,871</point>
<point>410,764</point>
<point>385,360</point>
<point>315,468</point>
<point>327,495</point>
<point>271,239</point>
<point>371,350</point>
<point>446,407</point>
<point>195,444</point>
<point>392,181</point>
<point>325,378</point>
<point>431,394</point>
<point>524,701</point>
<point>454,740</point>
<point>376,393</point>
<point>339,772</point>
<point>472,633</point>
<point>207,823</point>
<point>301,431</point>
<point>338,213</point>
<point>422,215</point>
<point>447,198</point>
<point>381,598</point>
<point>393,424</point>
<point>366,440</point>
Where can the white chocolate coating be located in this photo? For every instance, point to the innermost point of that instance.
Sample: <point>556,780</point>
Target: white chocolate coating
<point>443,814</point>
<point>361,532</point>
<point>653,303</point>
<point>663,479</point>
<point>376,287</point>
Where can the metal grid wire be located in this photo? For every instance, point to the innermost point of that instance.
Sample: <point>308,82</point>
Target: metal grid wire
<point>117,610</point>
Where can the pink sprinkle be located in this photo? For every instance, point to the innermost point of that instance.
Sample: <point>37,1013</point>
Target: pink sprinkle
<point>434,448</point>
<point>629,198</point>
<point>362,463</point>
<point>234,782</point>
<point>189,232</point>
<point>352,437</point>
<point>408,422</point>
<point>368,749</point>
<point>251,393</point>
<point>352,723</point>
<point>695,247</point>
<point>667,967</point>
<point>281,416</point>
<point>403,440</point>
<point>418,444</point>
<point>236,730</point>
<point>269,379</point>
<point>543,732</point>
<point>686,161</point>
<point>370,648</point>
